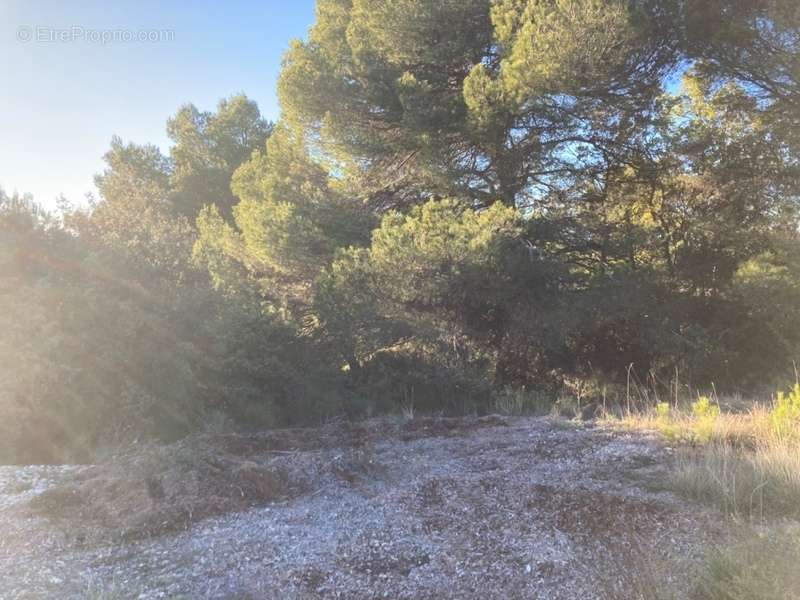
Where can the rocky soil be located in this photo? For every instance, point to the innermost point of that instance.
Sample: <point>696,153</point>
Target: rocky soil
<point>430,508</point>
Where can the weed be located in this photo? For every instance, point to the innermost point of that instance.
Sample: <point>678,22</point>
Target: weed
<point>746,463</point>
<point>756,564</point>
<point>741,482</point>
<point>785,414</point>
<point>705,417</point>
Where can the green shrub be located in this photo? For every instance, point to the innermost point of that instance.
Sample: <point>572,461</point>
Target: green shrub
<point>705,417</point>
<point>785,414</point>
<point>662,410</point>
<point>666,424</point>
<point>703,409</point>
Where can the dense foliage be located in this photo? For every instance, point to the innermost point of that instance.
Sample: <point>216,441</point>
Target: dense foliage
<point>461,197</point>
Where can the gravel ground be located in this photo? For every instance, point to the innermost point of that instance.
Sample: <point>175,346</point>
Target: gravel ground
<point>534,508</point>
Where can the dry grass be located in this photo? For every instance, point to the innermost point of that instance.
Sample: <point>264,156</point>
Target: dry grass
<point>747,463</point>
<point>739,429</point>
<point>757,564</point>
<point>756,484</point>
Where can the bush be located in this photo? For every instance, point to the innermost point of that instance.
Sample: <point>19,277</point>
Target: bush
<point>785,415</point>
<point>414,376</point>
<point>705,417</point>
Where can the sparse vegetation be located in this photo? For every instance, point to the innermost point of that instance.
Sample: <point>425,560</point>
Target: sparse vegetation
<point>760,483</point>
<point>747,465</point>
<point>756,564</point>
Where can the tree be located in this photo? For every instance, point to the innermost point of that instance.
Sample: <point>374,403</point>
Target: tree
<point>91,355</point>
<point>290,221</point>
<point>476,100</point>
<point>136,216</point>
<point>755,43</point>
<point>208,148</point>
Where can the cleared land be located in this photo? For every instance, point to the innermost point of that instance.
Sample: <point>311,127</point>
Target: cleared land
<point>427,508</point>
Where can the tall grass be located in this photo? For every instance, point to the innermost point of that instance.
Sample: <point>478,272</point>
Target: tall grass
<point>701,422</point>
<point>755,484</point>
<point>758,564</point>
<point>746,463</point>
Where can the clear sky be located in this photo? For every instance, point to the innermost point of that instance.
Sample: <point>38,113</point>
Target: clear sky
<point>61,100</point>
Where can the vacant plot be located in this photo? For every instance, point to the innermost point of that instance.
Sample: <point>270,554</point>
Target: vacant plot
<point>428,508</point>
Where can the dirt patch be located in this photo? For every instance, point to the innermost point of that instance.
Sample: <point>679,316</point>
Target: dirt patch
<point>595,514</point>
<point>161,489</point>
<point>430,508</point>
<point>165,489</point>
<point>345,434</point>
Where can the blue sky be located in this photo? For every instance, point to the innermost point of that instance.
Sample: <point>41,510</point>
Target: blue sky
<point>61,101</point>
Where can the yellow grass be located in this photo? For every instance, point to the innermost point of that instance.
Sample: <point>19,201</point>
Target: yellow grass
<point>743,429</point>
<point>757,564</point>
<point>747,463</point>
<point>756,484</point>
